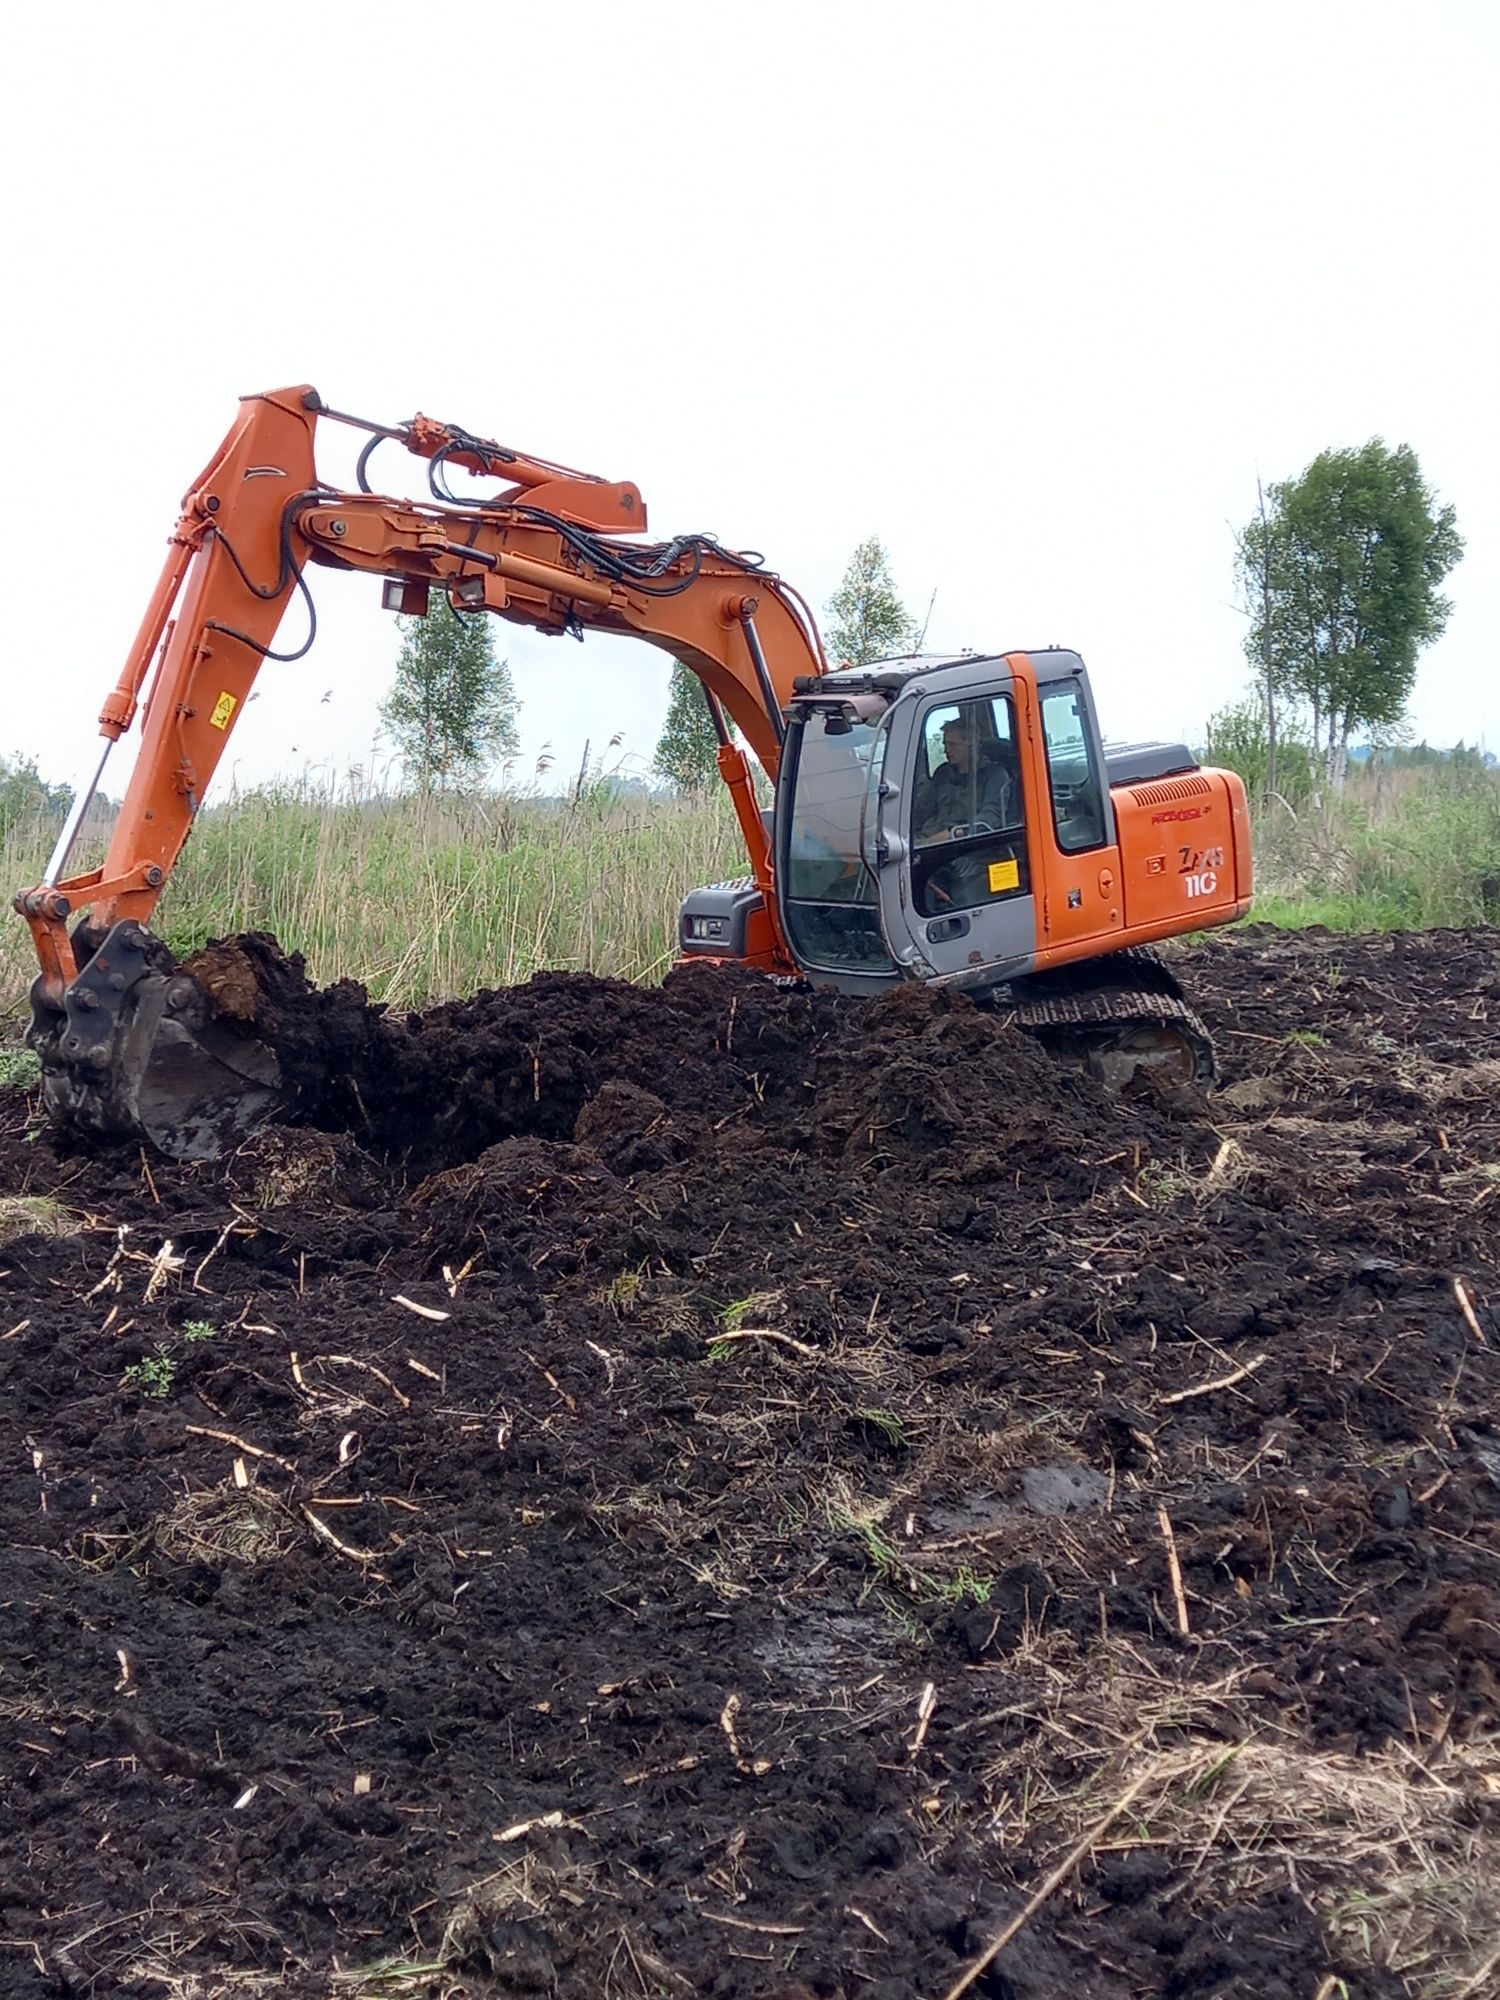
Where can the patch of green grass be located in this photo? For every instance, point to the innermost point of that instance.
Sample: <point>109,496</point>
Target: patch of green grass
<point>1398,849</point>
<point>891,1571</point>
<point>753,1310</point>
<point>1333,913</point>
<point>1161,1185</point>
<point>966,1586</point>
<point>20,1068</point>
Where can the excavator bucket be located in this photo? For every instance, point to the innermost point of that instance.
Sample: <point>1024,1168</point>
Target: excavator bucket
<point>142,1050</point>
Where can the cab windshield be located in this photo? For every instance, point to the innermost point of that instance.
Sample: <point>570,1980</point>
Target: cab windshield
<point>829,895</point>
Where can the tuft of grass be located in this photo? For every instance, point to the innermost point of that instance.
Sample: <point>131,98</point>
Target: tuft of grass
<point>1161,1185</point>
<point>35,1215</point>
<point>751,1310</point>
<point>890,1569</point>
<point>887,1423</point>
<point>226,1524</point>
<point>623,1293</point>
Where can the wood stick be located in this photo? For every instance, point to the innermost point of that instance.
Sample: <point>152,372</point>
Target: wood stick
<point>1174,1570</point>
<point>225,1233</point>
<point>925,1709</point>
<point>765,1930</point>
<point>765,1333</point>
<point>1050,1887</point>
<point>427,1312</point>
<point>322,1528</point>
<point>1219,1382</point>
<point>240,1444</point>
<point>1465,1306</point>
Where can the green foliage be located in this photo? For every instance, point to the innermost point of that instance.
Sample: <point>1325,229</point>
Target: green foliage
<point>452,711</point>
<point>869,620</point>
<point>26,799</point>
<point>1342,573</point>
<point>687,751</point>
<point>19,1069</point>
<point>1398,850</point>
<point>1239,739</point>
<point>153,1376</point>
<point>198,1330</point>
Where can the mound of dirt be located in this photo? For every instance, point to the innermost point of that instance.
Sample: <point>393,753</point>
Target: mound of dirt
<point>720,1491</point>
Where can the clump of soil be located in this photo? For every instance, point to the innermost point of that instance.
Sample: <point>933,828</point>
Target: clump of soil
<point>717,1490</point>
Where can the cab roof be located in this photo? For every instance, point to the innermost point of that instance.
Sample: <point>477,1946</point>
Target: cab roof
<point>888,677</point>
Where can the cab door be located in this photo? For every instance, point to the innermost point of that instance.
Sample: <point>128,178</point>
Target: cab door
<point>947,833</point>
<point>1076,843</point>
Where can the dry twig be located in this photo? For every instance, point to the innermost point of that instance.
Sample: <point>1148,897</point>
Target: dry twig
<point>427,1312</point>
<point>240,1444</point>
<point>1174,1571</point>
<point>1466,1307</point>
<point>1070,1861</point>
<point>765,1333</point>
<point>1219,1382</point>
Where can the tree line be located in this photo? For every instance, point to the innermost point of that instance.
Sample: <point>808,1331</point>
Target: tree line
<point>1340,570</point>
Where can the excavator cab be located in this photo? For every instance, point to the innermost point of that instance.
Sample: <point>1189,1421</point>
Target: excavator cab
<point>961,822</point>
<point>905,820</point>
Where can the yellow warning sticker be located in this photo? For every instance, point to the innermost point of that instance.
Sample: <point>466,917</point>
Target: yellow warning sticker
<point>1004,875</point>
<point>224,707</point>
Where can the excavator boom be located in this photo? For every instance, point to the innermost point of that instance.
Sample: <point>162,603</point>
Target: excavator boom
<point>125,1041</point>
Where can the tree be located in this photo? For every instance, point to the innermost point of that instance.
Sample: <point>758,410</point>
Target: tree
<point>687,751</point>
<point>1342,570</point>
<point>869,620</point>
<point>27,801</point>
<point>1253,564</point>
<point>453,707</point>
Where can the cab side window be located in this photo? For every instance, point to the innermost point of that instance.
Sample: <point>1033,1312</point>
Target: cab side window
<point>1072,770</point>
<point>968,811</point>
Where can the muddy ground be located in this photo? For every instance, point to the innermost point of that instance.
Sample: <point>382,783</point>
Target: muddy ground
<point>677,1493</point>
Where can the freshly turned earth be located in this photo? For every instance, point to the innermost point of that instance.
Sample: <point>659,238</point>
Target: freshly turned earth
<point>747,1574</point>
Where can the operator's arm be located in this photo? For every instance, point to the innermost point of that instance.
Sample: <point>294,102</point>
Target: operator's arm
<point>932,806</point>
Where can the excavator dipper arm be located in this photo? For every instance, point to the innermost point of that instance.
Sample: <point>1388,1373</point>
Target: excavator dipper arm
<point>128,1043</point>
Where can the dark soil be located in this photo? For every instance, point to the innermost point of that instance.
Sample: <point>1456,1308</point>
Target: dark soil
<point>659,1493</point>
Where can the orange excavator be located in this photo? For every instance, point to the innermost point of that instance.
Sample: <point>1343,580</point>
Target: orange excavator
<point>956,821</point>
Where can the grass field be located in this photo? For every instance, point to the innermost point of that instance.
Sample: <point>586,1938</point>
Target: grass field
<point>423,899</point>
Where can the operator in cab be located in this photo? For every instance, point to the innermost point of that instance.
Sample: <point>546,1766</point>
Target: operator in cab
<point>970,792</point>
<point>968,789</point>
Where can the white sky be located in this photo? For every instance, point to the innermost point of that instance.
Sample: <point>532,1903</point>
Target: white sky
<point>1031,292</point>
